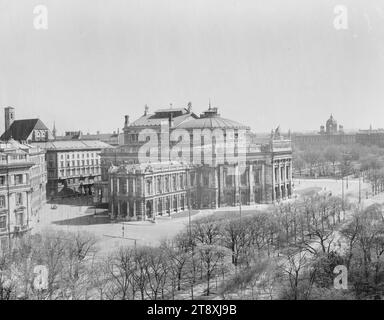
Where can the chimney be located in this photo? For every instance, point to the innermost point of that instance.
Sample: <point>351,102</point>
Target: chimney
<point>126,123</point>
<point>170,120</point>
<point>9,115</point>
<point>98,132</point>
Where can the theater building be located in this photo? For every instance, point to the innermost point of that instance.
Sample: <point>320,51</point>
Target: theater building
<point>136,190</point>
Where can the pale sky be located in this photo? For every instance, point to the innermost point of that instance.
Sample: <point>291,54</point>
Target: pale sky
<point>263,63</point>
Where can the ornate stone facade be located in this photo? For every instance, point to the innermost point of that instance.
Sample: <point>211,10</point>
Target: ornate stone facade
<point>137,190</point>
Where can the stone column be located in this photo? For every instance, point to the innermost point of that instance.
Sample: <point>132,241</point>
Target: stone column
<point>236,184</point>
<point>154,207</point>
<point>273,182</point>
<point>134,210</point>
<point>285,180</point>
<point>128,212</point>
<point>221,185</point>
<point>142,210</point>
<point>216,181</point>
<point>251,183</point>
<point>290,177</point>
<point>162,199</point>
<point>177,201</point>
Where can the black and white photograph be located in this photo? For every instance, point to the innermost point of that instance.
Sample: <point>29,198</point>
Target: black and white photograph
<point>216,151</point>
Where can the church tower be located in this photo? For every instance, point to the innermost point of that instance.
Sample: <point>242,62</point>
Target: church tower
<point>9,114</point>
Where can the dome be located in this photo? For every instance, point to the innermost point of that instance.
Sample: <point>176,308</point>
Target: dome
<point>331,121</point>
<point>212,123</point>
<point>210,119</point>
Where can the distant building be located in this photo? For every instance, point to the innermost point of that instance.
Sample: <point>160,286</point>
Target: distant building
<point>22,171</point>
<point>64,166</point>
<point>73,166</point>
<point>371,137</point>
<point>25,130</point>
<point>331,133</point>
<point>112,139</point>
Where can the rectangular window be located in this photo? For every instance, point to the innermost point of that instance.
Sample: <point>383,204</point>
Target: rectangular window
<point>19,199</point>
<point>2,180</point>
<point>18,179</point>
<point>3,222</point>
<point>20,218</point>
<point>228,180</point>
<point>257,176</point>
<point>2,201</point>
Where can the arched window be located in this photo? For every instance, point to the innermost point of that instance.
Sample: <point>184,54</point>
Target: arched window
<point>149,185</point>
<point>166,184</point>
<point>174,183</point>
<point>158,185</point>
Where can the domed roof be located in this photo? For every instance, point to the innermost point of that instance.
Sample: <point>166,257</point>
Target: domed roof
<point>211,123</point>
<point>331,121</point>
<point>210,119</point>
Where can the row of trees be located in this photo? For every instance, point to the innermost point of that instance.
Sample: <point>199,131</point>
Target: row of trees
<point>288,251</point>
<point>362,251</point>
<point>336,160</point>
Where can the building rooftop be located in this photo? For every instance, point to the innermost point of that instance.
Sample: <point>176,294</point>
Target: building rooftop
<point>178,116</point>
<point>72,144</point>
<point>147,167</point>
<point>211,119</point>
<point>21,129</point>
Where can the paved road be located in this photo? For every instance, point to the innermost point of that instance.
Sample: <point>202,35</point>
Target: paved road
<point>80,218</point>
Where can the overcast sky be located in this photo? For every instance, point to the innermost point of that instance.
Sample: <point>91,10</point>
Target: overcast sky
<point>262,63</point>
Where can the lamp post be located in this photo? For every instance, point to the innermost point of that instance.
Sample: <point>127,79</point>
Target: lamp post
<point>359,187</point>
<point>342,193</point>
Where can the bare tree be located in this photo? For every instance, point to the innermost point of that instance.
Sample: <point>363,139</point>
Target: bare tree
<point>211,256</point>
<point>120,268</point>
